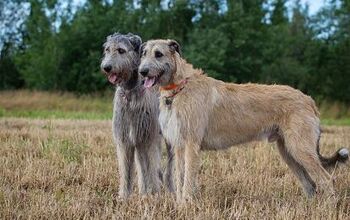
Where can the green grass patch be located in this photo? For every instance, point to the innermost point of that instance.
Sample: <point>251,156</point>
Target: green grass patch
<point>101,115</point>
<point>55,114</point>
<point>71,152</point>
<point>339,122</point>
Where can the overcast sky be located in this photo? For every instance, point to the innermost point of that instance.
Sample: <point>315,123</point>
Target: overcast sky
<point>314,5</point>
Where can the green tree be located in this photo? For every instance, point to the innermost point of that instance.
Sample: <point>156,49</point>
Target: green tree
<point>9,75</point>
<point>279,13</point>
<point>242,41</point>
<point>209,52</point>
<point>37,61</point>
<point>246,33</point>
<point>287,48</point>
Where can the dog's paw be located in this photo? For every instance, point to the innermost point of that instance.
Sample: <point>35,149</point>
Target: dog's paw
<point>188,199</point>
<point>122,195</point>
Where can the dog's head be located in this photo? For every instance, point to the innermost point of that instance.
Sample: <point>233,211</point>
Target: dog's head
<point>158,61</point>
<point>120,57</point>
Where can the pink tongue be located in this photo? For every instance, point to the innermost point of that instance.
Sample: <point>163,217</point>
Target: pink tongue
<point>112,78</point>
<point>149,82</point>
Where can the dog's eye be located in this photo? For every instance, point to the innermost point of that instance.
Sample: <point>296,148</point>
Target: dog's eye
<point>107,49</point>
<point>121,50</point>
<point>158,54</point>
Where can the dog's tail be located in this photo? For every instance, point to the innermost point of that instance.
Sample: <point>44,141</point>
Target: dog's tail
<point>340,156</point>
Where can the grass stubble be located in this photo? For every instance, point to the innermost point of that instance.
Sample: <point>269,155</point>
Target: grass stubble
<point>59,169</point>
<point>62,168</point>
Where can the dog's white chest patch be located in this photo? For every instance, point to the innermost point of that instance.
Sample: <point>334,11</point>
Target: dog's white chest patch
<point>169,125</point>
<point>132,134</point>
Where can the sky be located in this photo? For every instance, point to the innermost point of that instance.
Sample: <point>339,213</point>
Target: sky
<point>314,5</point>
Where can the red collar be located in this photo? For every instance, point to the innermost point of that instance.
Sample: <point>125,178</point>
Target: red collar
<point>176,88</point>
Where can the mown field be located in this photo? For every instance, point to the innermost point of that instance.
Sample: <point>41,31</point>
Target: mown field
<point>63,165</point>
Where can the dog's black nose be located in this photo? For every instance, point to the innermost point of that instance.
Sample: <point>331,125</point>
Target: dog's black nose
<point>107,68</point>
<point>144,71</point>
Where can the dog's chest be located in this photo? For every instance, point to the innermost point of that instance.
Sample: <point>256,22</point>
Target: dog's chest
<point>170,126</point>
<point>134,123</point>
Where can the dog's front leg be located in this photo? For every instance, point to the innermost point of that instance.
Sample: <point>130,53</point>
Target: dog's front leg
<point>179,171</point>
<point>192,163</point>
<point>154,167</point>
<point>125,156</point>
<point>142,165</point>
<point>168,176</point>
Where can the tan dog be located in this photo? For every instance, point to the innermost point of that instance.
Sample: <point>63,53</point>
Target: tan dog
<point>202,113</point>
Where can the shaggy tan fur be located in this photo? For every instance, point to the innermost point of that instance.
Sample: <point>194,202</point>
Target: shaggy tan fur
<point>208,114</point>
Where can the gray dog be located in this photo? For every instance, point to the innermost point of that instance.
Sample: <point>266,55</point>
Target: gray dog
<point>135,118</point>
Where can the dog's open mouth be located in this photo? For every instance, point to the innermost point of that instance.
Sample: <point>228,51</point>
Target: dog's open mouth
<point>113,78</point>
<point>151,81</point>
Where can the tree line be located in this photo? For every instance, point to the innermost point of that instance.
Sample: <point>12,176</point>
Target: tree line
<point>58,48</point>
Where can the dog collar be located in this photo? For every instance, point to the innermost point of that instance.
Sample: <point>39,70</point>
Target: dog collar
<point>176,88</point>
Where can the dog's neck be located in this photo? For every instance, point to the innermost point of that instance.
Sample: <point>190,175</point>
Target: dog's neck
<point>132,88</point>
<point>133,82</point>
<point>184,70</point>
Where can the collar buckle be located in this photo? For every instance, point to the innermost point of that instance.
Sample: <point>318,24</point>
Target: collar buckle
<point>175,89</point>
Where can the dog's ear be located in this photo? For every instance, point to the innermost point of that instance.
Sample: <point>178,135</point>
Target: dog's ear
<point>114,35</point>
<point>135,41</point>
<point>174,46</point>
<point>142,47</point>
<point>109,38</point>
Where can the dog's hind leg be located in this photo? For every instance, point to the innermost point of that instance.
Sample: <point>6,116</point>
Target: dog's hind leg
<point>148,161</point>
<point>301,143</point>
<point>308,184</point>
<point>125,156</point>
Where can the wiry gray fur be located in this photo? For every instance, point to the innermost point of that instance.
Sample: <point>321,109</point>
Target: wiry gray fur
<point>135,118</point>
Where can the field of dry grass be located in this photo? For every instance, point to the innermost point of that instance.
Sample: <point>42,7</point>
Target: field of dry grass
<point>54,166</point>
<point>37,100</point>
<point>36,104</point>
<point>56,169</point>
